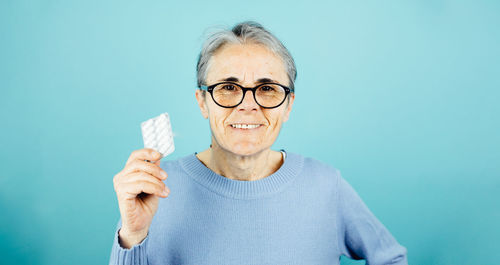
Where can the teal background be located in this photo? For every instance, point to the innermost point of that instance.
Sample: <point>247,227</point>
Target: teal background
<point>401,96</point>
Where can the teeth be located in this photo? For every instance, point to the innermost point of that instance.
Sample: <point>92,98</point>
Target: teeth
<point>245,126</point>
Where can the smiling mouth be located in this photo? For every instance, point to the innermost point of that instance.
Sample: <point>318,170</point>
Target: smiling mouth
<point>245,126</point>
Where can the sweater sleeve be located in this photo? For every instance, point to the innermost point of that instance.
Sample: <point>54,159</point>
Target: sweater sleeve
<point>361,234</point>
<point>123,256</point>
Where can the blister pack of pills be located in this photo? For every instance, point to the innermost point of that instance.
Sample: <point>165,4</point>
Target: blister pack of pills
<point>157,134</point>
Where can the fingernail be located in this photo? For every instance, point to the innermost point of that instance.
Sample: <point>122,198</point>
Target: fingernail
<point>163,174</point>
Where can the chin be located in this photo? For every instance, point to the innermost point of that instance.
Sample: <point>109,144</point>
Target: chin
<point>246,149</point>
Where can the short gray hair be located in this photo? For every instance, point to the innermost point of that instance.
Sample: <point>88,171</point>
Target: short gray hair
<point>241,33</point>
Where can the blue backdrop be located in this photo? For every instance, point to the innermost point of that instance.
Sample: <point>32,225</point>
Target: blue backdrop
<point>401,96</point>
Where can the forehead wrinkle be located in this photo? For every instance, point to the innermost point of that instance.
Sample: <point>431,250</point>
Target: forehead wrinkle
<point>226,67</point>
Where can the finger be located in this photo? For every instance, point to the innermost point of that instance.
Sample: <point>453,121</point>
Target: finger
<point>143,176</point>
<point>144,154</point>
<point>152,169</point>
<point>132,189</point>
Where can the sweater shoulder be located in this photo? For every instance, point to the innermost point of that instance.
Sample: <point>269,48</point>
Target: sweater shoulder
<point>321,171</point>
<point>320,166</point>
<point>174,166</point>
<point>322,181</point>
<point>170,164</point>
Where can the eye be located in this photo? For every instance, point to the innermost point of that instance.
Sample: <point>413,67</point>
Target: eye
<point>228,87</point>
<point>267,88</point>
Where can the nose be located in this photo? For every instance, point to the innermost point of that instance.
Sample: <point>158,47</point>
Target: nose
<point>248,102</point>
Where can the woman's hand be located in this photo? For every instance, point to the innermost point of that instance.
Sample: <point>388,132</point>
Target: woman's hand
<point>137,188</point>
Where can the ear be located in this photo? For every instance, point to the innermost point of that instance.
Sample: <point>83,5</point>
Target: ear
<point>289,107</point>
<point>202,103</point>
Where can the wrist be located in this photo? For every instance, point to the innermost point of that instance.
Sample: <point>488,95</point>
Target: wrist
<point>127,239</point>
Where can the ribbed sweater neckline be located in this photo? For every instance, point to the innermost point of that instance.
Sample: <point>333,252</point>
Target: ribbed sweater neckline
<point>240,189</point>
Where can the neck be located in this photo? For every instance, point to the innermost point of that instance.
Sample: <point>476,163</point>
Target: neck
<point>239,167</point>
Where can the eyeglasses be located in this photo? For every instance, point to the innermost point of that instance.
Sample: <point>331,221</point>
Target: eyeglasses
<point>230,95</point>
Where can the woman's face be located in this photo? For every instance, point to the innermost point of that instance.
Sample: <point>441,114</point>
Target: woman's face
<point>245,64</point>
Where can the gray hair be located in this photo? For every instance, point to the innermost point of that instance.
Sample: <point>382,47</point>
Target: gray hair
<point>241,33</point>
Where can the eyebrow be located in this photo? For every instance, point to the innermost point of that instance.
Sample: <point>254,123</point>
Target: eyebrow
<point>260,80</point>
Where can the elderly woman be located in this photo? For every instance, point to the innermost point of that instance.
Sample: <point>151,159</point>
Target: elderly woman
<point>239,202</point>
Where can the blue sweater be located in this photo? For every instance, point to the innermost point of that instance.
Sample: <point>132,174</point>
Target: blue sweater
<point>305,213</point>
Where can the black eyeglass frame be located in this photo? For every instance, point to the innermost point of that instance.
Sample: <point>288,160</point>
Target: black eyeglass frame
<point>210,89</point>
